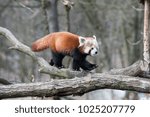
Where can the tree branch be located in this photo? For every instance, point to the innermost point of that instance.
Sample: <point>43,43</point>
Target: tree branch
<point>133,70</point>
<point>76,86</point>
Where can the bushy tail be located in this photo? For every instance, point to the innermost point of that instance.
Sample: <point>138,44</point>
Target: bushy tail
<point>41,44</point>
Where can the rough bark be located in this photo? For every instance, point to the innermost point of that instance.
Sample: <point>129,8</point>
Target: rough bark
<point>76,86</point>
<point>146,40</point>
<point>133,70</point>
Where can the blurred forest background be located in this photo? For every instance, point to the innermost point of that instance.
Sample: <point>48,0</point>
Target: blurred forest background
<point>118,25</point>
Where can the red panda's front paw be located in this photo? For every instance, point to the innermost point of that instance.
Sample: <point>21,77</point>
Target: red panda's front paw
<point>60,67</point>
<point>76,69</point>
<point>94,66</point>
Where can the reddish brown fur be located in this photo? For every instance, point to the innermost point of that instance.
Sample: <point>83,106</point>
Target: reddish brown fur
<point>60,42</point>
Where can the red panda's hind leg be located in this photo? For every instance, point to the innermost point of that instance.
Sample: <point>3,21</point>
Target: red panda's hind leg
<point>51,62</point>
<point>76,65</point>
<point>77,57</point>
<point>57,60</point>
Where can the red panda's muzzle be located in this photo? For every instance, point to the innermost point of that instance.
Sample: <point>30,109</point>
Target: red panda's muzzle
<point>93,52</point>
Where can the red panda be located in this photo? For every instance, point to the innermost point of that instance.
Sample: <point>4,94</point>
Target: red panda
<point>65,43</point>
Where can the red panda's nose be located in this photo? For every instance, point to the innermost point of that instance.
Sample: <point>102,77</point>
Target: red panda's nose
<point>96,52</point>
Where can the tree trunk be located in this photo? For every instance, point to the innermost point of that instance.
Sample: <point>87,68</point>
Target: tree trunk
<point>146,40</point>
<point>54,15</point>
<point>68,18</point>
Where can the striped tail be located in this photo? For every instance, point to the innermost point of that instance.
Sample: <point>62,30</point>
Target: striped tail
<point>41,44</point>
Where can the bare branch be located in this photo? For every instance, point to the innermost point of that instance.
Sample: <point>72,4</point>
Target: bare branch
<point>133,70</point>
<point>24,6</point>
<point>76,86</point>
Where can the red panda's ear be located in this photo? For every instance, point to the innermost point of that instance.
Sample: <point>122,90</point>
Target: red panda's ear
<point>95,41</point>
<point>94,37</point>
<point>81,41</point>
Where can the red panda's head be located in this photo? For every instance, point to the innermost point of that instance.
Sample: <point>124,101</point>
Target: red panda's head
<point>89,45</point>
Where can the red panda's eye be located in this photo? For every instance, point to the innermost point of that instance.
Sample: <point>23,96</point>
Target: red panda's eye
<point>92,48</point>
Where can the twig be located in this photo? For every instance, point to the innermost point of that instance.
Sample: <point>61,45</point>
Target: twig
<point>24,6</point>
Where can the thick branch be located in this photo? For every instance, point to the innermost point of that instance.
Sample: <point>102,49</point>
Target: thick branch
<point>76,86</point>
<point>133,70</point>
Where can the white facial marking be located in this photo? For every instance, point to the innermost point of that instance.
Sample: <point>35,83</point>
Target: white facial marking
<point>87,49</point>
<point>81,41</point>
<point>93,52</point>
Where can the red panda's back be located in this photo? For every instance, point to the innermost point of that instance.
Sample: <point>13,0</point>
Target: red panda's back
<point>64,42</point>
